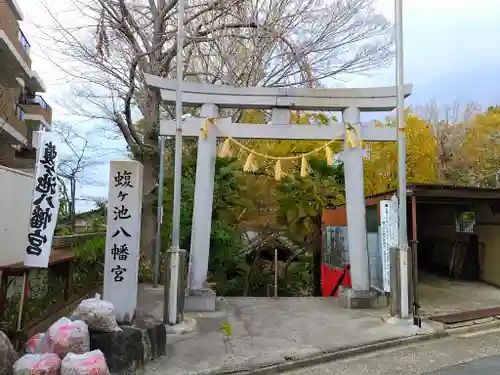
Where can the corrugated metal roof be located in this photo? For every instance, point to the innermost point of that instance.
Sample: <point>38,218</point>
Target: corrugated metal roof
<point>440,191</point>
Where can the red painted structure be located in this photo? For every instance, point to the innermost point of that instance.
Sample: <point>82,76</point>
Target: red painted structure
<point>332,278</point>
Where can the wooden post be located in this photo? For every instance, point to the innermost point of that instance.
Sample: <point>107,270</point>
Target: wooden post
<point>69,284</point>
<point>414,252</point>
<point>275,273</point>
<point>23,300</point>
<point>414,218</point>
<point>4,282</point>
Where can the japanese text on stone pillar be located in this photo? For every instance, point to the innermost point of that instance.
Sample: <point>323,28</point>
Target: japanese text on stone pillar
<point>121,214</point>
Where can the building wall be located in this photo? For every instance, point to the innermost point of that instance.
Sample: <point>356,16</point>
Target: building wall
<point>436,232</point>
<point>490,236</point>
<point>337,216</point>
<point>19,113</point>
<point>16,191</point>
<point>438,227</point>
<point>488,230</point>
<point>10,25</point>
<point>9,96</point>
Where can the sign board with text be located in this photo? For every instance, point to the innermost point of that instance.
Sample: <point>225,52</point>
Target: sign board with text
<point>388,237</point>
<point>121,265</point>
<point>45,203</point>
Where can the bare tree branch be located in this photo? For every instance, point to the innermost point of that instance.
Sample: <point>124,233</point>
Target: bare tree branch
<point>105,47</point>
<point>77,157</point>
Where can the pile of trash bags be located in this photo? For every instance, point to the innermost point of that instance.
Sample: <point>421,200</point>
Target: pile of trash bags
<point>8,355</point>
<point>65,348</point>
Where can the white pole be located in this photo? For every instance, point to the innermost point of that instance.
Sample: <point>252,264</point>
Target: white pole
<point>402,237</point>
<point>174,265</point>
<point>159,221</point>
<point>275,273</point>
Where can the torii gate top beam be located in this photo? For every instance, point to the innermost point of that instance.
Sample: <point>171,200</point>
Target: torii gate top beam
<point>196,94</point>
<point>224,126</point>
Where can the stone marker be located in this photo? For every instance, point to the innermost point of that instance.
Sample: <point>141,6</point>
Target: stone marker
<point>131,348</point>
<point>121,264</point>
<point>123,350</point>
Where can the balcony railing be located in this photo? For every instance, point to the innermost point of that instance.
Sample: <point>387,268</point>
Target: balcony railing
<point>36,100</point>
<point>24,42</point>
<point>19,112</point>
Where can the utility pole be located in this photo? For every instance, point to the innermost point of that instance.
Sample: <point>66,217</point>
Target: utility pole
<point>402,233</point>
<point>176,217</point>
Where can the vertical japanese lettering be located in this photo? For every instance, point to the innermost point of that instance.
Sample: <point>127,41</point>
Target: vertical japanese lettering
<point>123,179</point>
<point>121,265</point>
<point>119,250</point>
<point>43,210</point>
<point>118,272</point>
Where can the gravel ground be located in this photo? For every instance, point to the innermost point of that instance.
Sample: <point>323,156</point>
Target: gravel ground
<point>423,358</point>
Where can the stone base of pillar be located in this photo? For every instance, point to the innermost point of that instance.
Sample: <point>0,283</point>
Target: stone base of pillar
<point>200,300</point>
<point>361,299</point>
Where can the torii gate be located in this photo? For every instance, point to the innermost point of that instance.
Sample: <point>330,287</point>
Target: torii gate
<point>281,101</point>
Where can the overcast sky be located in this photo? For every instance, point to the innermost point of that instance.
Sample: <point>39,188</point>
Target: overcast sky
<point>451,52</point>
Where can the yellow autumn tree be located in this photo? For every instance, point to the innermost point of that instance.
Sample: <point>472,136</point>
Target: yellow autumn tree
<point>285,147</point>
<point>421,157</point>
<point>479,152</point>
<point>263,182</point>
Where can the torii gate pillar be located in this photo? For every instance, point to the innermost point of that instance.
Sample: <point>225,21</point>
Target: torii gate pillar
<point>360,295</point>
<point>198,297</point>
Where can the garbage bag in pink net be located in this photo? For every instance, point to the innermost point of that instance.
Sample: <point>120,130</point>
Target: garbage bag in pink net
<point>36,344</point>
<point>65,336</point>
<point>90,363</point>
<point>98,314</point>
<point>38,364</point>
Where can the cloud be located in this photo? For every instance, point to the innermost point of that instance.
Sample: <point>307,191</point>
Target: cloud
<point>449,50</point>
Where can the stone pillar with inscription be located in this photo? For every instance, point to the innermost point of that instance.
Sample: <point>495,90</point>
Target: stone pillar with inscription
<point>121,264</point>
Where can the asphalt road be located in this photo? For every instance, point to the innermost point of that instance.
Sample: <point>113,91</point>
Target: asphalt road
<point>485,366</point>
<point>472,354</point>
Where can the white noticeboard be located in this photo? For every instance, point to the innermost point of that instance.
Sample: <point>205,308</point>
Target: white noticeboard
<point>121,262</point>
<point>388,237</point>
<point>45,203</point>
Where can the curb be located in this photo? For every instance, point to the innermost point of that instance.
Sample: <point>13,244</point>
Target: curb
<point>188,325</point>
<point>333,355</point>
<point>351,351</point>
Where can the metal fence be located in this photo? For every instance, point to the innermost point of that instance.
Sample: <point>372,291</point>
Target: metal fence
<point>335,253</point>
<point>375,261</point>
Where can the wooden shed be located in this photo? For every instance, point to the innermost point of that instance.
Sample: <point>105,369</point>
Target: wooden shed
<point>458,234</point>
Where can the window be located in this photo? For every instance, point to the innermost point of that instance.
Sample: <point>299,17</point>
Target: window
<point>19,112</point>
<point>371,219</point>
<point>24,42</point>
<point>335,249</point>
<point>466,221</point>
